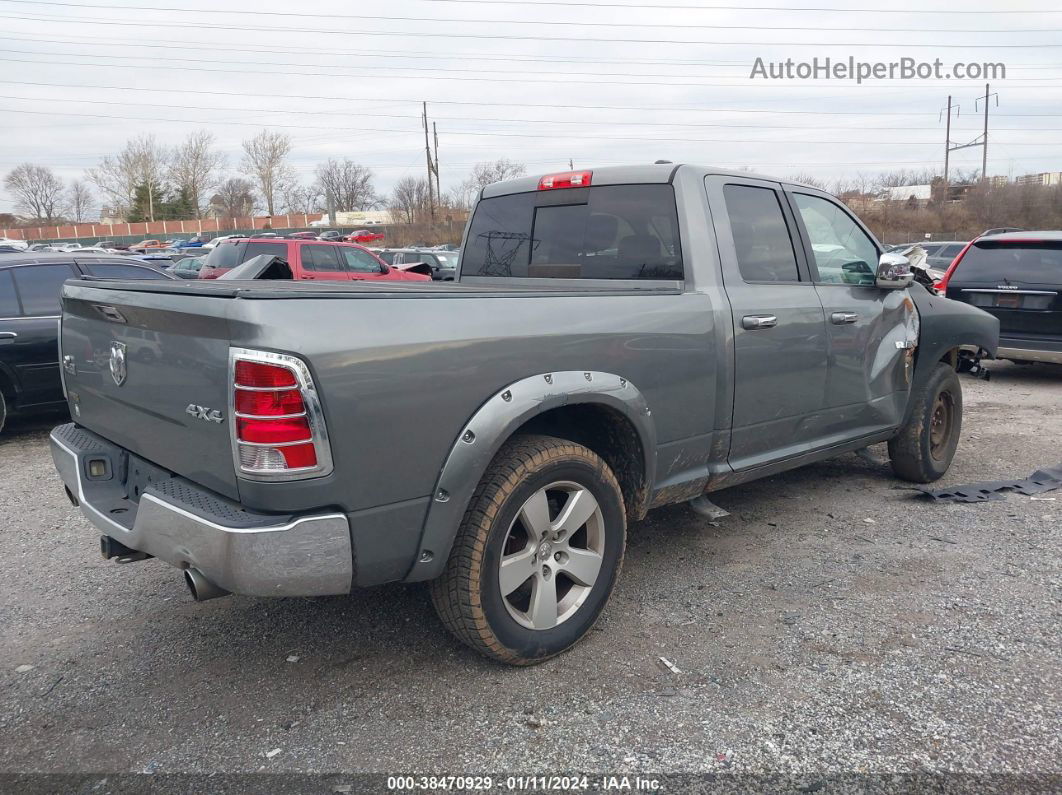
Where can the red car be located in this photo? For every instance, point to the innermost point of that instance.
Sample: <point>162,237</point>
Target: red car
<point>309,259</point>
<point>364,236</point>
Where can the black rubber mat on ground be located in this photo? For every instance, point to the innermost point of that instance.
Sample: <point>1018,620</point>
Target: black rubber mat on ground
<point>1040,481</point>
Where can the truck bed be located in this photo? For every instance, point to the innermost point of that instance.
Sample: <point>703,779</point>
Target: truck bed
<point>398,378</point>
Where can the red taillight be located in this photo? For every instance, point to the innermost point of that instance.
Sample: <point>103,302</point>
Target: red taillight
<point>299,456</point>
<point>269,404</point>
<point>278,429</point>
<point>295,429</point>
<point>942,286</point>
<point>263,376</point>
<point>569,179</point>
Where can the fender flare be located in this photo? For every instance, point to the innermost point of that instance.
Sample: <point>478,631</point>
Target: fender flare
<point>493,424</point>
<point>947,324</point>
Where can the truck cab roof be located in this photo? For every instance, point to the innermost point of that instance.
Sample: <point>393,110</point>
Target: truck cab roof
<point>623,175</point>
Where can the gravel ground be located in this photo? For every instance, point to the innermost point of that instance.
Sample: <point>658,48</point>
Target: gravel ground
<point>833,623</point>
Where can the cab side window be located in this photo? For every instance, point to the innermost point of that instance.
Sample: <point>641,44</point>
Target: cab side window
<point>39,287</point>
<point>320,258</point>
<point>360,261</point>
<point>8,300</point>
<point>842,251</point>
<point>762,241</point>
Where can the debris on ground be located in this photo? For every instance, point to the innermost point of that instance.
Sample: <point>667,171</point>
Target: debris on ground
<point>702,506</point>
<point>293,658</point>
<point>670,665</point>
<point>271,754</point>
<point>1039,482</point>
<point>23,669</point>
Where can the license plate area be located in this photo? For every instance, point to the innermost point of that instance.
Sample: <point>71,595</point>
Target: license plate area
<point>1037,302</point>
<point>140,474</point>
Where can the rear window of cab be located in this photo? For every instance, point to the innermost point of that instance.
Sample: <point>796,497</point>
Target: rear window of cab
<point>601,232</point>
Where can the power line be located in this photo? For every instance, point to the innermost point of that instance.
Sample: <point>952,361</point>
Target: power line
<point>363,53</point>
<point>549,105</point>
<point>140,25</point>
<point>492,134</point>
<point>377,114</point>
<point>704,7</point>
<point>559,23</point>
<point>554,77</point>
<point>433,56</point>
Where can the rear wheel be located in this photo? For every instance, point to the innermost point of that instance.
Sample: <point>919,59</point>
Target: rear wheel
<point>924,448</point>
<point>3,410</point>
<point>537,554</point>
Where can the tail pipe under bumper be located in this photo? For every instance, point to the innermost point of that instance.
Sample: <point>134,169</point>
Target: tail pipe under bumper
<point>200,587</point>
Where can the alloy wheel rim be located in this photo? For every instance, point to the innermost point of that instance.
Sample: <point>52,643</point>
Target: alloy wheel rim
<point>552,555</point>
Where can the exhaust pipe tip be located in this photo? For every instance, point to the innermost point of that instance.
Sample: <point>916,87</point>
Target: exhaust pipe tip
<point>200,587</point>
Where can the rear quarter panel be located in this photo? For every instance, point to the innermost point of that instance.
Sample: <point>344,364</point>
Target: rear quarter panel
<point>399,378</point>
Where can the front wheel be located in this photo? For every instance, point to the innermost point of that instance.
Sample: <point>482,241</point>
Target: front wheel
<point>923,449</point>
<point>537,554</point>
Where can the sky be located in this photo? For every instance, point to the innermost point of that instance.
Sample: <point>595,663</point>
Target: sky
<point>595,82</point>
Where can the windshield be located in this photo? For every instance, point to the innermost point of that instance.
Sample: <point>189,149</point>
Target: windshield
<point>1037,262</point>
<point>447,258</point>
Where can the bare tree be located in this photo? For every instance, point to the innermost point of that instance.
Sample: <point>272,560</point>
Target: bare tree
<point>79,201</point>
<point>142,162</point>
<point>810,180</point>
<point>195,168</point>
<point>408,199</point>
<point>265,161</point>
<point>302,198</point>
<point>234,198</point>
<point>484,174</point>
<point>151,159</point>
<point>348,184</point>
<point>37,190</point>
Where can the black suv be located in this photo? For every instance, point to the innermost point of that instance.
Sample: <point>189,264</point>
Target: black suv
<point>1017,276</point>
<point>30,284</point>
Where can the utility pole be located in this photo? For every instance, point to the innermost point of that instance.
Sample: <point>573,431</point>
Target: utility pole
<point>433,167</point>
<point>981,140</point>
<point>984,135</point>
<point>947,149</point>
<point>435,134</point>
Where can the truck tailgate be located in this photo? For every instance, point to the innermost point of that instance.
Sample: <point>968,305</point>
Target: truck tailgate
<point>137,365</point>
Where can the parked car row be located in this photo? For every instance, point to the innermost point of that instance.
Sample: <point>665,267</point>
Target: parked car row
<point>310,260</point>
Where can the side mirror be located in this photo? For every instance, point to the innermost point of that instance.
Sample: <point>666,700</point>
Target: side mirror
<point>894,272</point>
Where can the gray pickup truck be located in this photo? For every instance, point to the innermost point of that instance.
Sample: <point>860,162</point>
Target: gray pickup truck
<point>616,340</point>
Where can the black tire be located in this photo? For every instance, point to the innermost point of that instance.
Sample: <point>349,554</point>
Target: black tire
<point>3,411</point>
<point>923,449</point>
<point>468,596</point>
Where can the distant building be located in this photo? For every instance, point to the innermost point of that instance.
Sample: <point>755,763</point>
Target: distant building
<point>1045,178</point>
<point>918,194</point>
<point>999,182</point>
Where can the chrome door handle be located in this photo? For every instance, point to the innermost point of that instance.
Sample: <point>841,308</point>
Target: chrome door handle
<point>843,318</point>
<point>7,335</point>
<point>753,322</point>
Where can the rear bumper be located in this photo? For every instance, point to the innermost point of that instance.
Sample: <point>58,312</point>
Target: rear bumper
<point>1031,348</point>
<point>174,520</point>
